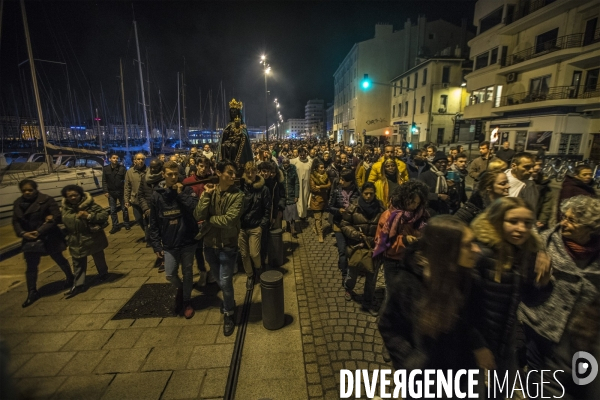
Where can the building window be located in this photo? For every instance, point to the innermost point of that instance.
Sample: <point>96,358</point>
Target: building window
<point>481,61</point>
<point>401,86</point>
<point>489,93</point>
<point>405,108</point>
<point>591,80</point>
<point>422,104</point>
<point>539,87</point>
<point>546,40</point>
<point>395,87</point>
<point>477,96</point>
<point>492,19</point>
<point>569,143</point>
<point>416,79</point>
<point>399,109</point>
<point>498,96</point>
<point>394,111</point>
<point>446,74</point>
<point>407,82</point>
<point>425,77</point>
<point>444,101</point>
<point>494,56</point>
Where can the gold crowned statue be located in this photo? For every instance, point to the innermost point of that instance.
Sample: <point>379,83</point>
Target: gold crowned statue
<point>235,143</point>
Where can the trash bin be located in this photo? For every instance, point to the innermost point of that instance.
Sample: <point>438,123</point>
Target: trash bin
<point>271,289</point>
<point>275,250</point>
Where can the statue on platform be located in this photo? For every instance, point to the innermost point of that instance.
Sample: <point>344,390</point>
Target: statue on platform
<point>235,143</point>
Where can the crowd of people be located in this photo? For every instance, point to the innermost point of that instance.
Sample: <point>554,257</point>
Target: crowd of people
<point>485,265</point>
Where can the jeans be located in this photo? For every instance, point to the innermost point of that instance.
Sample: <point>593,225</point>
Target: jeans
<point>32,260</point>
<point>221,262</point>
<point>140,218</point>
<point>112,202</point>
<point>185,257</point>
<point>340,242</point>
<point>249,243</point>
<point>370,283</point>
<point>80,267</point>
<point>200,256</point>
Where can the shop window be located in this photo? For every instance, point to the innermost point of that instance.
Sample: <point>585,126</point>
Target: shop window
<point>569,144</point>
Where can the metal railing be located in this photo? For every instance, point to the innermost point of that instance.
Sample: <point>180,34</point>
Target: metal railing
<point>540,49</point>
<point>553,93</point>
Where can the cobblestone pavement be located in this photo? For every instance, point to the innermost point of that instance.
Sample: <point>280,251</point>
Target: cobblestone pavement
<point>336,334</point>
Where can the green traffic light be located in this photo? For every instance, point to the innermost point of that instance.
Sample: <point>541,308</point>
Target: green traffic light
<point>366,84</point>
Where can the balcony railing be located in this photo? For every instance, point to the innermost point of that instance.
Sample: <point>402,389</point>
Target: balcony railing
<point>525,8</point>
<point>553,93</point>
<point>540,49</point>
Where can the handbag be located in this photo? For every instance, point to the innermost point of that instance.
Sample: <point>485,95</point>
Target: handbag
<point>34,246</point>
<point>361,257</point>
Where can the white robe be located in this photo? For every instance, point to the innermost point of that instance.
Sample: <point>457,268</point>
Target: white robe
<point>303,169</point>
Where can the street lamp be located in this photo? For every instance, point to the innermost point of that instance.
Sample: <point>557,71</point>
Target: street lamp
<point>267,71</point>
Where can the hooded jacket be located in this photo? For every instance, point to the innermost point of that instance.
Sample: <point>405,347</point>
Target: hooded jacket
<point>497,293</point>
<point>573,187</point>
<point>414,170</point>
<point>172,224</point>
<point>82,240</point>
<point>377,173</point>
<point>320,186</point>
<point>221,226</point>
<point>355,222</point>
<point>336,201</point>
<point>277,190</point>
<point>257,203</point>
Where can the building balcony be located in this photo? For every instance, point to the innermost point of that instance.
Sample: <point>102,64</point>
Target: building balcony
<point>533,12</point>
<point>541,49</point>
<point>554,96</point>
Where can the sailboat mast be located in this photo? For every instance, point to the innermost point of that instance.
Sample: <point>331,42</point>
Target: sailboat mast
<point>124,110</point>
<point>178,110</point>
<point>35,86</point>
<point>149,95</point>
<point>185,123</point>
<point>162,123</point>
<point>137,45</point>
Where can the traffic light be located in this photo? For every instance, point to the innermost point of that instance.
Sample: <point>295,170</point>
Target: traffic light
<point>410,145</point>
<point>413,129</point>
<point>366,82</point>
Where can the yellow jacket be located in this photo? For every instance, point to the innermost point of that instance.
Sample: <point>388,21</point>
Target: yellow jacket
<point>381,183</point>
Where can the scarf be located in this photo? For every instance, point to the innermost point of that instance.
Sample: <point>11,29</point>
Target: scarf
<point>441,185</point>
<point>391,228</point>
<point>320,179</point>
<point>370,210</point>
<point>582,252</point>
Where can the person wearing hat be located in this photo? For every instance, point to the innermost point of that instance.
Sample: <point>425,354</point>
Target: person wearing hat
<point>440,195</point>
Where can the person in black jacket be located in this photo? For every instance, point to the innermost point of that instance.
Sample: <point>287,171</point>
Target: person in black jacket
<point>427,321</point>
<point>35,218</point>
<point>152,179</point>
<point>255,219</point>
<point>113,184</point>
<point>274,182</point>
<point>441,194</point>
<point>172,232</point>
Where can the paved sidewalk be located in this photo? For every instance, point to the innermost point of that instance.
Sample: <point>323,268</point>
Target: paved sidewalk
<point>72,349</point>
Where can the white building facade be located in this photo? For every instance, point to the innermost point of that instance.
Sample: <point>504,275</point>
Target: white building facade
<point>314,116</point>
<point>388,54</point>
<point>293,127</point>
<point>535,75</point>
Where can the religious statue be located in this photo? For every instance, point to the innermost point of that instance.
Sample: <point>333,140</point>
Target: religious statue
<point>235,143</point>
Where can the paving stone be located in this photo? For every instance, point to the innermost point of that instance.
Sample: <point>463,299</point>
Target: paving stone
<point>115,293</point>
<point>210,356</point>
<point>16,361</point>
<point>122,360</point>
<point>146,322</point>
<point>83,363</point>
<point>118,324</point>
<point>315,390</point>
<point>87,322</point>
<point>168,358</point>
<point>184,384</point>
<point>142,385</point>
<point>109,306</point>
<point>153,337</point>
<point>88,340</point>
<point>43,387</point>
<point>53,323</point>
<point>80,307</point>
<point>89,387</point>
<point>43,342</point>
<point>214,383</point>
<point>198,335</point>
<point>43,308</point>
<point>123,339</point>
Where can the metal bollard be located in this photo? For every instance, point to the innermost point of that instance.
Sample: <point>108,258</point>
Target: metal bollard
<point>275,250</point>
<point>271,289</point>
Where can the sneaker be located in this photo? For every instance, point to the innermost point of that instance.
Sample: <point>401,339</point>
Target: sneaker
<point>68,283</point>
<point>228,325</point>
<point>127,227</point>
<point>178,301</point>
<point>188,311</point>
<point>250,283</point>
<point>161,267</point>
<point>348,296</point>
<point>114,230</point>
<point>369,309</point>
<point>102,277</point>
<point>31,298</point>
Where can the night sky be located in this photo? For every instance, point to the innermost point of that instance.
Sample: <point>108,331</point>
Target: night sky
<point>221,41</point>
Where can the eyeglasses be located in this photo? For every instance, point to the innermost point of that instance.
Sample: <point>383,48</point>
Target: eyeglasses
<point>570,220</point>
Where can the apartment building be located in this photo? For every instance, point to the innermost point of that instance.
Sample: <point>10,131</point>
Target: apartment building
<point>535,75</point>
<point>387,54</point>
<point>314,116</point>
<point>293,127</point>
